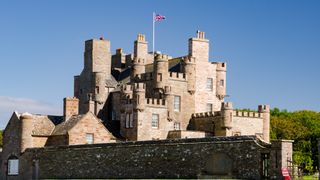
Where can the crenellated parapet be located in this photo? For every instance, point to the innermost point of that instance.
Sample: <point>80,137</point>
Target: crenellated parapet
<point>156,102</point>
<point>177,76</point>
<point>206,114</point>
<point>247,114</point>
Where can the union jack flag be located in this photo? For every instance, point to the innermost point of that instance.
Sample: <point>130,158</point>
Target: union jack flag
<point>159,17</point>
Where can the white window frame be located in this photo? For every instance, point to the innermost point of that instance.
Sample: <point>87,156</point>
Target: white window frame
<point>209,85</point>
<point>209,107</point>
<point>176,103</point>
<point>155,121</point>
<point>13,167</point>
<point>176,126</point>
<point>89,138</point>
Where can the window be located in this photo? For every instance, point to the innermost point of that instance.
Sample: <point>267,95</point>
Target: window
<point>209,107</point>
<point>13,166</point>
<point>176,103</point>
<point>176,126</point>
<point>89,138</point>
<point>131,120</point>
<point>127,121</point>
<point>113,115</point>
<point>221,83</point>
<point>209,84</point>
<point>97,90</point>
<point>155,121</point>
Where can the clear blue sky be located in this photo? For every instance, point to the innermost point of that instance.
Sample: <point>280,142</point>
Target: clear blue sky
<point>272,47</point>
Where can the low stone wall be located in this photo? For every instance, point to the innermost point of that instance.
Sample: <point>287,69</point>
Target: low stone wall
<point>231,157</point>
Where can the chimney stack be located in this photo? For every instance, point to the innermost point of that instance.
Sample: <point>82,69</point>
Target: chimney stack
<point>70,107</point>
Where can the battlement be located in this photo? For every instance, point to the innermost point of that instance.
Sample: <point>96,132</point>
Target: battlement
<point>221,66</point>
<point>247,114</point>
<point>156,102</point>
<point>205,114</point>
<point>226,105</point>
<point>178,76</point>
<point>263,108</point>
<point>163,57</point>
<point>189,60</point>
<point>138,60</point>
<point>139,87</point>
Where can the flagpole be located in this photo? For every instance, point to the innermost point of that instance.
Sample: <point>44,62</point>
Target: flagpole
<point>153,30</point>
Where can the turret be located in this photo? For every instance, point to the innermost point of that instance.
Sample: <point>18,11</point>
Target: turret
<point>99,81</point>
<point>139,96</point>
<point>265,111</point>
<point>138,68</point>
<point>160,71</point>
<point>221,79</point>
<point>199,47</point>
<point>26,131</point>
<point>169,98</point>
<point>97,56</point>
<point>141,47</point>
<point>226,112</point>
<point>190,71</point>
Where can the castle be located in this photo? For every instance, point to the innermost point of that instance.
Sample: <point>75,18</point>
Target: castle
<point>155,96</point>
<point>147,97</point>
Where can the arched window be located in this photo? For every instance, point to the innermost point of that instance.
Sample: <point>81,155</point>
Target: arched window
<point>13,166</point>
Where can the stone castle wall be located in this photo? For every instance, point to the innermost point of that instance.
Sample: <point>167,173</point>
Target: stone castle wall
<point>179,158</point>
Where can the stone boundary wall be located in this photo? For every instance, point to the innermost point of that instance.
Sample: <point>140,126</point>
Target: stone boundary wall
<point>231,157</point>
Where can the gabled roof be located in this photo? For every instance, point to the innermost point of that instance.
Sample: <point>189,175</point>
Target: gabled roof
<point>43,125</point>
<point>63,128</point>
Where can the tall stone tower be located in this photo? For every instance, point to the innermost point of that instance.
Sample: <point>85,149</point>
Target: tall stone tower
<point>90,86</point>
<point>206,75</point>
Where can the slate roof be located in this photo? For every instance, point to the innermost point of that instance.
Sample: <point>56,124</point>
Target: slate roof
<point>111,81</point>
<point>43,125</point>
<point>63,128</point>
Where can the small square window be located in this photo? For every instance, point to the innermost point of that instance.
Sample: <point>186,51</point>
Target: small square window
<point>89,138</point>
<point>209,84</point>
<point>155,121</point>
<point>221,83</point>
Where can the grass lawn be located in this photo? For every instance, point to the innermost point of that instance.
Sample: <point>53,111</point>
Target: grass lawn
<point>310,177</point>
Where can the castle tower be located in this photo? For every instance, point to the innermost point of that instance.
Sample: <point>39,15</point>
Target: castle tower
<point>227,114</point>
<point>97,56</point>
<point>138,68</point>
<point>26,131</point>
<point>199,47</point>
<point>70,107</point>
<point>190,70</point>
<point>141,47</point>
<point>221,80</point>
<point>160,71</point>
<point>139,96</point>
<point>265,111</point>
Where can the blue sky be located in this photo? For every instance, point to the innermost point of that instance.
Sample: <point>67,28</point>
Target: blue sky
<point>272,47</point>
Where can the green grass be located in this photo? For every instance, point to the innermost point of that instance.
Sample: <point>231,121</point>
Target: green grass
<point>309,177</point>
